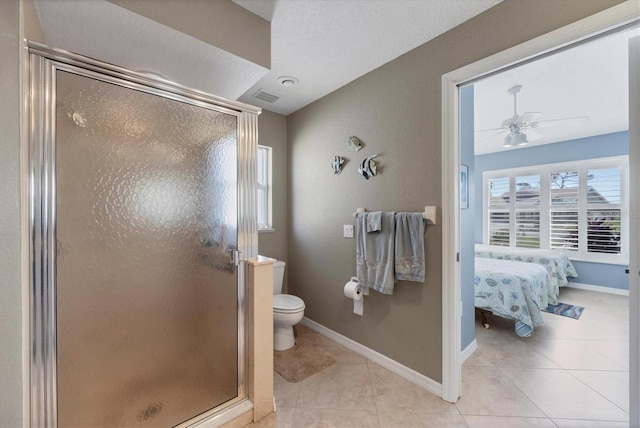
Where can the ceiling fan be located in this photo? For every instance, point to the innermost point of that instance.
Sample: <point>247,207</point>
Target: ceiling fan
<point>520,128</point>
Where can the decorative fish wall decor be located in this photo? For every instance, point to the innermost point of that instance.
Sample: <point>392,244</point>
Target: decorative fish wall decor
<point>337,164</point>
<point>354,144</point>
<point>368,167</point>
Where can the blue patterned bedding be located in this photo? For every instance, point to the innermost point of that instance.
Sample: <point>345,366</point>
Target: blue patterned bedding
<point>514,290</point>
<point>556,262</point>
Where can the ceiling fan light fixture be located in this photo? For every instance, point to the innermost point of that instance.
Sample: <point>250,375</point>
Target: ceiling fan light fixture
<point>521,139</point>
<point>507,141</point>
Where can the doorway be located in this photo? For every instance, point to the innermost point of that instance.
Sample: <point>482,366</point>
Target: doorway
<point>590,27</point>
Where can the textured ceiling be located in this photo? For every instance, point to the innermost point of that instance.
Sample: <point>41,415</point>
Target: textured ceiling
<point>323,44</point>
<point>327,44</point>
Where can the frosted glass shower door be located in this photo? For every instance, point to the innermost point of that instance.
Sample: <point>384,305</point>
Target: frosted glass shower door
<point>146,223</point>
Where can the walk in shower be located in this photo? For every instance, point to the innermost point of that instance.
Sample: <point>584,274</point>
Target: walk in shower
<point>141,204</point>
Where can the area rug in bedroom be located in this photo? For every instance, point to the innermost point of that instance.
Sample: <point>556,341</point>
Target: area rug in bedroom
<point>306,358</point>
<point>566,310</point>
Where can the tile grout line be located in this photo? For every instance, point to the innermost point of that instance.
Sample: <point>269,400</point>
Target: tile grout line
<point>595,390</point>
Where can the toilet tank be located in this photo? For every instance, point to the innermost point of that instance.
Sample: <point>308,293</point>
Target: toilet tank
<point>278,276</point>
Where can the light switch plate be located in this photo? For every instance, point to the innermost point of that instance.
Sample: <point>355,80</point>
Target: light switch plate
<point>347,231</point>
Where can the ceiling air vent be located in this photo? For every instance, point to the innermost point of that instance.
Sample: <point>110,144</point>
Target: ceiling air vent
<point>266,96</point>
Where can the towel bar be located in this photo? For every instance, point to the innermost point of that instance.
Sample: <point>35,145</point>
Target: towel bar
<point>429,213</point>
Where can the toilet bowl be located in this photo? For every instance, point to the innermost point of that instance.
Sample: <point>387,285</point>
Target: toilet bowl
<point>288,311</point>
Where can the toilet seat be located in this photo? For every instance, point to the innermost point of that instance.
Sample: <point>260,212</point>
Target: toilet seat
<point>287,304</point>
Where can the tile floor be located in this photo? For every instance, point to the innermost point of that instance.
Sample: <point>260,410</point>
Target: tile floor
<point>568,374</point>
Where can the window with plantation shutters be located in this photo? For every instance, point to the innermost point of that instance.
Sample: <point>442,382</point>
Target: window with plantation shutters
<point>564,234</point>
<point>499,217</point>
<point>604,195</point>
<point>564,198</point>
<point>527,213</point>
<point>575,207</point>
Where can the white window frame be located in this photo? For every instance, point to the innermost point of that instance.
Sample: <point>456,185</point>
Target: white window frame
<point>544,172</point>
<point>265,187</point>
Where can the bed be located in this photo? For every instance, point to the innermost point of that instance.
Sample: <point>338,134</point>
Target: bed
<point>555,262</point>
<point>513,290</point>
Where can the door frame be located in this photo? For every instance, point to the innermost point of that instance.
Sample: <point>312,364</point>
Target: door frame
<point>594,25</point>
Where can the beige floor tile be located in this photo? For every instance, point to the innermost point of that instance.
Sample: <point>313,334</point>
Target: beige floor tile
<point>573,355</point>
<point>507,422</point>
<point>614,386</point>
<point>560,395</point>
<point>406,420</point>
<point>393,394</point>
<point>575,423</point>
<point>486,391</point>
<point>285,392</point>
<point>478,359</point>
<point>340,386</point>
<point>587,328</point>
<point>617,350</point>
<point>527,356</point>
<point>328,418</point>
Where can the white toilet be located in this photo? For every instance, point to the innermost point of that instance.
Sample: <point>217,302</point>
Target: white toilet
<point>288,311</point>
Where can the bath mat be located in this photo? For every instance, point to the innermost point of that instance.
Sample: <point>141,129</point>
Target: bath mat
<point>565,309</point>
<point>306,358</point>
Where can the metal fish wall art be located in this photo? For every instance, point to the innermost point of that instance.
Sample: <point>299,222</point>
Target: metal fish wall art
<point>337,164</point>
<point>368,167</point>
<point>354,144</point>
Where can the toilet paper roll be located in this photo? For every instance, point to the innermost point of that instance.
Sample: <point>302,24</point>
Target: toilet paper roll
<point>353,291</point>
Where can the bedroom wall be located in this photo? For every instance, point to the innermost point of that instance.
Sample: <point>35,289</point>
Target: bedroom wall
<point>272,132</point>
<point>396,111</point>
<point>616,144</point>
<point>467,220</point>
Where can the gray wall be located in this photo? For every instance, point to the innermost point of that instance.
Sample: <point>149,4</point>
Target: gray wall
<point>396,111</point>
<point>272,132</point>
<point>236,30</point>
<point>10,232</point>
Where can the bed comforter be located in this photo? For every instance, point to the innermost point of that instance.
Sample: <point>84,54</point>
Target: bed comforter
<point>555,262</point>
<point>514,290</point>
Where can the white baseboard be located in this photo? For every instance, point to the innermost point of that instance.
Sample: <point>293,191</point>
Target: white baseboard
<point>598,288</point>
<point>386,362</point>
<point>468,351</point>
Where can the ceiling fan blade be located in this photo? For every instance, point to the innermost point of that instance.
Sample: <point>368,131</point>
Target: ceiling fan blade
<point>490,129</point>
<point>513,119</point>
<point>492,135</point>
<point>530,116</point>
<point>568,121</point>
<point>532,135</point>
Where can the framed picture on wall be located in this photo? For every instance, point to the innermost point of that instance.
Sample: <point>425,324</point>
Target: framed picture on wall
<point>464,187</point>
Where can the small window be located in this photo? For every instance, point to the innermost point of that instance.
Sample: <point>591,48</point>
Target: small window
<point>263,188</point>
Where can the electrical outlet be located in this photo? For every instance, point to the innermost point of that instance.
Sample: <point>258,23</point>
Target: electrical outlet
<point>347,231</point>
